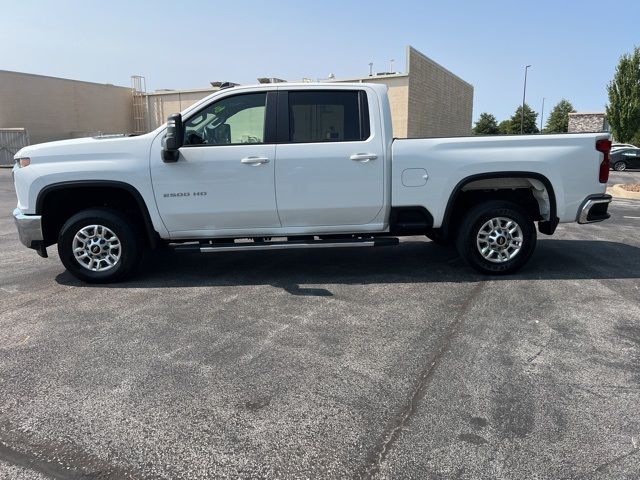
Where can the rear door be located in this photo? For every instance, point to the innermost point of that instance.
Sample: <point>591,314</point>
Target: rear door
<point>329,158</point>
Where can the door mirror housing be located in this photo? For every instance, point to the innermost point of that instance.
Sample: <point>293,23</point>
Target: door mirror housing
<point>173,139</point>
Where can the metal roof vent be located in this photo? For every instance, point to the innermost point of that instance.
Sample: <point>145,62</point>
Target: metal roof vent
<point>222,85</point>
<point>271,80</point>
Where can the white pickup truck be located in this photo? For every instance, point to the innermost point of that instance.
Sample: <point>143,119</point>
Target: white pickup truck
<point>290,165</point>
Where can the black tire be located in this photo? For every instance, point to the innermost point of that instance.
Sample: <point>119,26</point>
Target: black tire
<point>620,166</point>
<point>128,237</point>
<point>476,218</point>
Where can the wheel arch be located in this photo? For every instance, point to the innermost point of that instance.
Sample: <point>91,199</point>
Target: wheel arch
<point>151,234</point>
<point>547,226</point>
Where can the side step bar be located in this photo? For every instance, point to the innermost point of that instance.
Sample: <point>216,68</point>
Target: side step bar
<point>207,247</point>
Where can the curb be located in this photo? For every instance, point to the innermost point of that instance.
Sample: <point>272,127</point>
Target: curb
<point>618,192</point>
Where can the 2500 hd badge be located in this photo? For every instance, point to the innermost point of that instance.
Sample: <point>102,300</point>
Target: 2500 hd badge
<point>185,194</point>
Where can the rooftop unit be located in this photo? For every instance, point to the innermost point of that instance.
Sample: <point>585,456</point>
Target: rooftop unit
<point>271,80</point>
<point>223,84</point>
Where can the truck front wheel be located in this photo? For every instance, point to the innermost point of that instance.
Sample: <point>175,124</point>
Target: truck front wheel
<point>496,237</point>
<point>99,246</point>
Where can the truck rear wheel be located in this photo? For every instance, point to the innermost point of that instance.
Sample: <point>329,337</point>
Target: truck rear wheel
<point>99,246</point>
<point>496,237</point>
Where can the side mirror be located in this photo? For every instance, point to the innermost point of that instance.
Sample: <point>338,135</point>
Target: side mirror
<point>173,139</point>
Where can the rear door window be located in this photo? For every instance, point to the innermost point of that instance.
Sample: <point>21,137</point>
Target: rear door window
<point>328,116</point>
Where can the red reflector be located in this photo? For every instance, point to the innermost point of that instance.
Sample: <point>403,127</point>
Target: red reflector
<point>604,146</point>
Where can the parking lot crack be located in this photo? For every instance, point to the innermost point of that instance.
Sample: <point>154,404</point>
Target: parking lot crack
<point>57,461</point>
<point>400,421</point>
<point>36,464</point>
<point>605,466</point>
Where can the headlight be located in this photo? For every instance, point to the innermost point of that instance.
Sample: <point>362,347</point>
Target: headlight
<point>23,162</point>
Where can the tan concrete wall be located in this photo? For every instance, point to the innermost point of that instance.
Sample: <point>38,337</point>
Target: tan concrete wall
<point>440,103</point>
<point>55,108</point>
<point>398,99</point>
<point>163,104</point>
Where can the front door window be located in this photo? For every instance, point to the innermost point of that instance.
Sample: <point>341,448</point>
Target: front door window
<point>237,120</point>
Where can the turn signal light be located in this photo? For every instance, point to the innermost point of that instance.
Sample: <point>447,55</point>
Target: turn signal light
<point>24,162</point>
<point>604,146</point>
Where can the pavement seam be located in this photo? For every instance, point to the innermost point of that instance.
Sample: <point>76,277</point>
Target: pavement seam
<point>394,429</point>
<point>30,462</point>
<point>605,466</point>
<point>46,460</point>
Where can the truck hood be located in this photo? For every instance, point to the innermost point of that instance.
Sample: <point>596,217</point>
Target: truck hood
<point>84,148</point>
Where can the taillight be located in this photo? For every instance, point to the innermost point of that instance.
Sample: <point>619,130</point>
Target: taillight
<point>604,146</point>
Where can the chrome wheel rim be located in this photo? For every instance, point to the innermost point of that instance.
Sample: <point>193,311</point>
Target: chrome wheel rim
<point>499,239</point>
<point>97,248</point>
<point>620,167</point>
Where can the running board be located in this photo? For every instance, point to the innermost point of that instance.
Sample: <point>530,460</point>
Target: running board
<point>285,245</point>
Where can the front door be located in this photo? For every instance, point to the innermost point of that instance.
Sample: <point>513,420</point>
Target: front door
<point>330,160</point>
<point>224,178</point>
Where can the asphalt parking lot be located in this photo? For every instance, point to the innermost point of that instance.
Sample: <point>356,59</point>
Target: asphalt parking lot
<point>396,362</point>
<point>629,176</point>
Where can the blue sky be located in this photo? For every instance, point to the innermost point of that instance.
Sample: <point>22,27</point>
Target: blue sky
<point>573,46</point>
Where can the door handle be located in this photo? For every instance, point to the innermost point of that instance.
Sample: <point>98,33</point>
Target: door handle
<point>255,161</point>
<point>363,157</point>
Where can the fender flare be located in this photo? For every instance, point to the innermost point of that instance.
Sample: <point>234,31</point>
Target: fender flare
<point>546,227</point>
<point>150,231</point>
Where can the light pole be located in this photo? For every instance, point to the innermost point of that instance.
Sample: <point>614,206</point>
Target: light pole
<point>542,115</point>
<point>524,94</point>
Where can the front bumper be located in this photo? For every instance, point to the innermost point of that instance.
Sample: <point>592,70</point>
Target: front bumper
<point>594,209</point>
<point>29,229</point>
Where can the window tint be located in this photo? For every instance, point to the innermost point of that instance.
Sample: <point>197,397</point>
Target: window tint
<point>230,121</point>
<point>323,116</point>
<point>631,153</point>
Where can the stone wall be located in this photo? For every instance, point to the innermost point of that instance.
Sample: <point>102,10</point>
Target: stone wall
<point>587,122</point>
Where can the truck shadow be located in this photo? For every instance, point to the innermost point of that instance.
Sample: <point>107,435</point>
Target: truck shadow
<point>308,272</point>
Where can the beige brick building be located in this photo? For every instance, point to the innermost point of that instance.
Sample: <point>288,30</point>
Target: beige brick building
<point>426,101</point>
<point>51,108</point>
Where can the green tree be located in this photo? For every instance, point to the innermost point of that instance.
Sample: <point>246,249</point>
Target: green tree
<point>530,122</point>
<point>558,121</point>
<point>504,127</point>
<point>486,125</point>
<point>623,111</point>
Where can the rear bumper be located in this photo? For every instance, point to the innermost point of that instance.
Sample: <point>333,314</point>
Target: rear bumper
<point>29,229</point>
<point>594,209</point>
